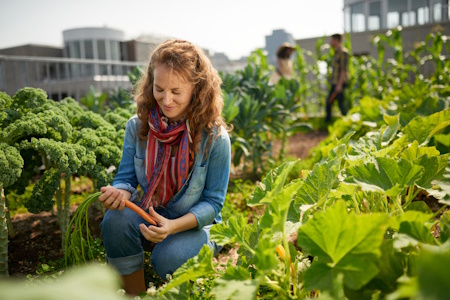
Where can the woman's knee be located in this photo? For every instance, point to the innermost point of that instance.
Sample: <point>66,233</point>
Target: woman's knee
<point>175,250</point>
<point>119,229</point>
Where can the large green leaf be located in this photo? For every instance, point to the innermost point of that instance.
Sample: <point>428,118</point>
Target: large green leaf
<point>391,265</point>
<point>385,174</point>
<point>271,185</point>
<point>412,229</point>
<point>434,169</point>
<point>417,231</point>
<point>317,184</point>
<point>198,266</point>
<point>230,231</point>
<point>265,255</point>
<point>343,243</point>
<point>433,273</point>
<point>251,236</point>
<point>423,128</point>
<point>276,213</point>
<point>235,284</point>
<point>414,151</point>
<point>87,282</point>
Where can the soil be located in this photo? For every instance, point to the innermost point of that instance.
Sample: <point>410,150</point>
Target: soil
<point>38,237</point>
<point>299,144</point>
<point>38,241</point>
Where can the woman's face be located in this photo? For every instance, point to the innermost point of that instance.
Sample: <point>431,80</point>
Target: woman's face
<point>172,92</point>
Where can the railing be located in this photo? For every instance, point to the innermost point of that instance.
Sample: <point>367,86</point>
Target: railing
<point>62,77</point>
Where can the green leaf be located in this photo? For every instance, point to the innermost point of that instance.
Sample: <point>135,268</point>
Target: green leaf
<point>276,213</point>
<point>418,231</point>
<point>434,169</point>
<point>342,190</point>
<point>419,206</point>
<point>271,185</point>
<point>444,225</point>
<point>230,231</point>
<point>94,281</point>
<point>11,165</point>
<point>385,174</point>
<point>414,151</point>
<point>343,243</point>
<point>441,188</point>
<point>251,237</point>
<point>443,139</point>
<point>235,284</point>
<point>198,266</point>
<point>423,128</point>
<point>407,289</point>
<point>410,215</point>
<point>433,273</point>
<point>391,265</point>
<point>317,184</point>
<point>265,256</point>
<point>389,132</point>
<point>176,293</point>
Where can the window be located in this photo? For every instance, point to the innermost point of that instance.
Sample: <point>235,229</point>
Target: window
<point>374,21</point>
<point>420,12</point>
<point>76,49</point>
<point>101,49</point>
<point>437,10</point>
<point>397,13</point>
<point>114,45</point>
<point>358,18</point>
<point>88,49</point>
<point>67,49</point>
<point>347,23</point>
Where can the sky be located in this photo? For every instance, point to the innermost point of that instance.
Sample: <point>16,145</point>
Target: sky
<point>235,27</point>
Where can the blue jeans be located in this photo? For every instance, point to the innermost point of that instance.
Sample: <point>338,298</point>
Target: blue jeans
<point>125,245</point>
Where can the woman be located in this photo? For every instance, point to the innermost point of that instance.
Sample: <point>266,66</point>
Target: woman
<point>178,151</point>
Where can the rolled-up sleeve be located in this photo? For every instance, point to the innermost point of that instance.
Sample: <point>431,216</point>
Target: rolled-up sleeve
<point>216,182</point>
<point>125,178</point>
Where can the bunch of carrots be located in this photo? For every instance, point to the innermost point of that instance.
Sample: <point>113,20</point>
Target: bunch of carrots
<point>79,241</point>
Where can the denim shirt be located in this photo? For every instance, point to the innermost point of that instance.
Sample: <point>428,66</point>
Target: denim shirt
<point>203,193</point>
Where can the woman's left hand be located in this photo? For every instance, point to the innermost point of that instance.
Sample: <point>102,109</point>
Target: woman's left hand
<point>158,233</point>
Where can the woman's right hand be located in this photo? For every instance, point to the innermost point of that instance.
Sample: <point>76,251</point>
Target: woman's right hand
<point>112,198</point>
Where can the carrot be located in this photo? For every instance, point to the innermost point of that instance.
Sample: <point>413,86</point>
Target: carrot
<point>140,212</point>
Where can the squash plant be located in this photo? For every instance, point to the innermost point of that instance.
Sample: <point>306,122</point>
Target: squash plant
<point>353,227</point>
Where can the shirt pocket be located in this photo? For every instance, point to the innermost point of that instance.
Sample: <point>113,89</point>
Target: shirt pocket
<point>139,167</point>
<point>196,183</point>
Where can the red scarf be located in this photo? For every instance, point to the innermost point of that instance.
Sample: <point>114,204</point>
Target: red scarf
<point>162,136</point>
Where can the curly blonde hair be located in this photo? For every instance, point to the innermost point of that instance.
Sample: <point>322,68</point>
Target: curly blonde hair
<point>189,62</point>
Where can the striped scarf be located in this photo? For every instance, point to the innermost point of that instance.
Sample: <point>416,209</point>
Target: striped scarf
<point>163,179</point>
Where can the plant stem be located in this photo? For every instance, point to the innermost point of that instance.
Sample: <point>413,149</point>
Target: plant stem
<point>66,211</point>
<point>355,203</point>
<point>8,221</point>
<point>274,286</point>
<point>439,211</point>
<point>397,202</point>
<point>3,236</point>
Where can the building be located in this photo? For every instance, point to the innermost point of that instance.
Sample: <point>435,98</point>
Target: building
<point>274,41</point>
<point>92,56</point>
<point>363,19</point>
<point>369,15</point>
